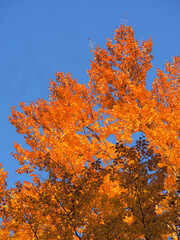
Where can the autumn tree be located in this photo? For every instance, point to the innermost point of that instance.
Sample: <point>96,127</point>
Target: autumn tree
<point>85,184</point>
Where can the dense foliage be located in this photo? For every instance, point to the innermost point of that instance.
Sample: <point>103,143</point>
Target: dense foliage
<point>86,185</point>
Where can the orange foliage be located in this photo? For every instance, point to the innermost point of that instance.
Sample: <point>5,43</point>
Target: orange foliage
<point>85,186</point>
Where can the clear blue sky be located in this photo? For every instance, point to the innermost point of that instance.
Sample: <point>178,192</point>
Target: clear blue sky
<point>40,37</point>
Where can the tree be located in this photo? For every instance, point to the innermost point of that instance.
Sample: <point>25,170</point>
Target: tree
<point>84,184</point>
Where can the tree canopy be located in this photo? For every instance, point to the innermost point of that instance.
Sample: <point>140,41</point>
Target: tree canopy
<point>88,180</point>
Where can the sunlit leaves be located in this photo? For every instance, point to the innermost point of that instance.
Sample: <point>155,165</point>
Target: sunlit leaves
<point>86,180</point>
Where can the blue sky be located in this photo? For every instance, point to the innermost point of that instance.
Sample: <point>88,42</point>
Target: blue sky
<point>40,37</point>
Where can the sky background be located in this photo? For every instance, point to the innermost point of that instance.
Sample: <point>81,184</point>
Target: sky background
<point>40,37</point>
